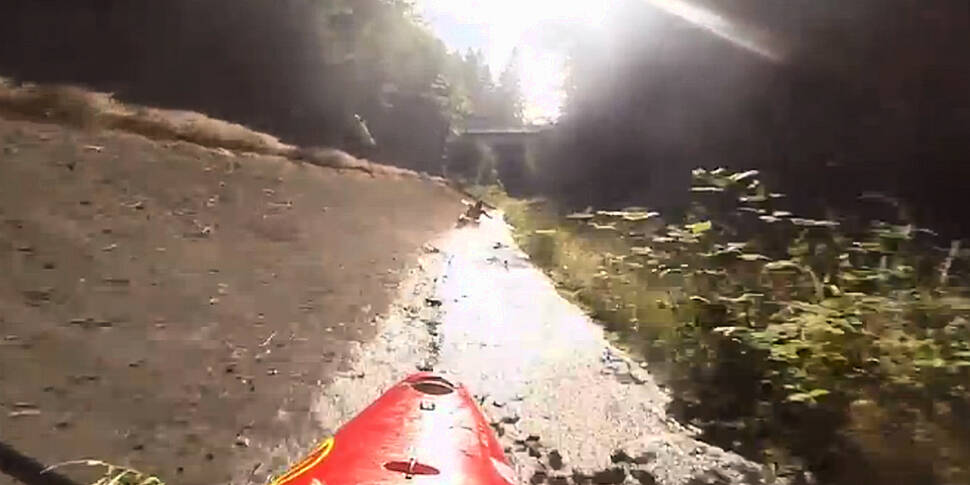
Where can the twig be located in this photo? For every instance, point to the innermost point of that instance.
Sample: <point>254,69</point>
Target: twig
<point>945,267</point>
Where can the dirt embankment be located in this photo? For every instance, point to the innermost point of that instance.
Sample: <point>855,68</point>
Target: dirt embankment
<point>165,305</point>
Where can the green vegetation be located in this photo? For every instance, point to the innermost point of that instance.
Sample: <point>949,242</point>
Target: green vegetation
<point>803,342</point>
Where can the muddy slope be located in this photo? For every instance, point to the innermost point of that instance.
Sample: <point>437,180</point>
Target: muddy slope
<point>168,306</point>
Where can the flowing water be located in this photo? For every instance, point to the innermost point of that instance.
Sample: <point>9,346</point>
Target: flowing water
<point>568,406</point>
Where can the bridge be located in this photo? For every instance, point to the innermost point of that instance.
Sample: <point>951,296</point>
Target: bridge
<point>516,150</point>
<point>502,135</point>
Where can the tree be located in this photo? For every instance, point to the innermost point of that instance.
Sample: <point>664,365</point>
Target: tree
<point>509,103</point>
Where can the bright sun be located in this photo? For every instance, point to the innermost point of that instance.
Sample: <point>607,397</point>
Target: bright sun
<point>535,28</point>
<point>497,27</point>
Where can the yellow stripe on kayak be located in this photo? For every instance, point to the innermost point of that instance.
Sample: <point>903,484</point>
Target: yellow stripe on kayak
<point>312,460</point>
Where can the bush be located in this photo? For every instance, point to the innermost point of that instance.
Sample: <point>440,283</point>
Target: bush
<point>784,334</point>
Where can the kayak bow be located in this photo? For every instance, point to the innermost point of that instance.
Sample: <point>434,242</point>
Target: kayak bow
<point>423,430</point>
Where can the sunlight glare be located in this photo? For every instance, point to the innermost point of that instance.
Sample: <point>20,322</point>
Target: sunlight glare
<point>519,24</point>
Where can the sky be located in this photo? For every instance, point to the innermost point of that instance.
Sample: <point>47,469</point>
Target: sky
<point>533,27</point>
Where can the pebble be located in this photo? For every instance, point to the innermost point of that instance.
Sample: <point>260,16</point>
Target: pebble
<point>24,412</point>
<point>555,460</point>
<point>609,476</point>
<point>643,477</point>
<point>620,456</point>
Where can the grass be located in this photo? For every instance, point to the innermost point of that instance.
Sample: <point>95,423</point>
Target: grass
<point>86,109</point>
<point>90,110</point>
<point>113,474</point>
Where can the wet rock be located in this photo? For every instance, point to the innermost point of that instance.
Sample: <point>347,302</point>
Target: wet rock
<point>620,456</point>
<point>555,460</point>
<point>644,458</point>
<point>538,477</point>
<point>557,480</point>
<point>611,476</point>
<point>643,477</point>
<point>710,477</point>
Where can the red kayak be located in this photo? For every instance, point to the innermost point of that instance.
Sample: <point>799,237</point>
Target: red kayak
<point>423,430</point>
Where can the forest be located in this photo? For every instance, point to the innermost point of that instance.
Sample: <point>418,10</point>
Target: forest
<point>366,76</point>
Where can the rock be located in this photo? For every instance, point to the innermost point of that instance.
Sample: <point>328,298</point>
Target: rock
<point>711,476</point>
<point>644,458</point>
<point>610,476</point>
<point>557,480</point>
<point>38,296</point>
<point>643,477</point>
<point>242,442</point>
<point>538,477</point>
<point>555,460</point>
<point>432,302</point>
<point>620,456</point>
<point>510,419</point>
<point>534,452</point>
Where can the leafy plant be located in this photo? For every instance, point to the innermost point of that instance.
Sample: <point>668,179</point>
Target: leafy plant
<point>763,316</point>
